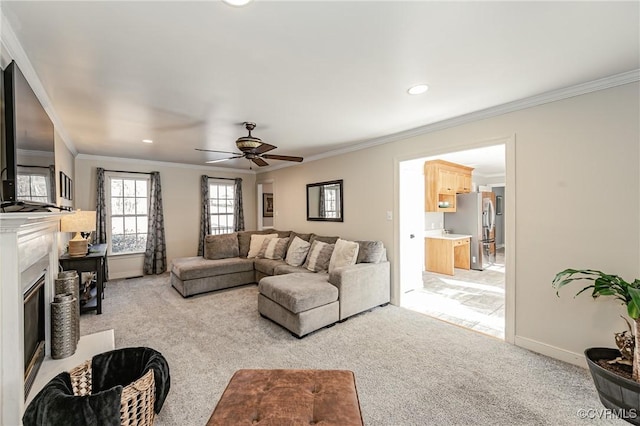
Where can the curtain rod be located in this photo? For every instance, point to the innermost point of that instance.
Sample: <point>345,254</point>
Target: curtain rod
<point>213,177</point>
<point>33,167</point>
<point>125,171</point>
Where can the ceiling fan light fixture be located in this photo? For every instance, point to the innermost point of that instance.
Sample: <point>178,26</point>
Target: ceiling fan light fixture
<point>248,142</point>
<point>418,89</point>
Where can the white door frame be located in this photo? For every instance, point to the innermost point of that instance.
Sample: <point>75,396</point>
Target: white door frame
<point>510,222</point>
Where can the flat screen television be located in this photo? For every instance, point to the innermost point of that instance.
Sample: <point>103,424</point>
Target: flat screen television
<point>28,151</point>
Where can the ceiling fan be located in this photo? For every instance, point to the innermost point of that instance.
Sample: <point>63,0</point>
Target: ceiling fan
<point>253,149</point>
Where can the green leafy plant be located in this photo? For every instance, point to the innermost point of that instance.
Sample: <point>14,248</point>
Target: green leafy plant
<point>608,285</point>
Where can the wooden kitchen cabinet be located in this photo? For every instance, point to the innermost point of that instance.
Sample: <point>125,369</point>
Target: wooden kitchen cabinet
<point>443,180</point>
<point>444,254</point>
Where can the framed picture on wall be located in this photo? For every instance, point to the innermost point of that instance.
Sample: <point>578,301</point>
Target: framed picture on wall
<point>267,204</point>
<point>63,185</point>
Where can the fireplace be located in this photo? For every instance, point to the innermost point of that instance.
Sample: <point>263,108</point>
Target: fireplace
<point>34,332</point>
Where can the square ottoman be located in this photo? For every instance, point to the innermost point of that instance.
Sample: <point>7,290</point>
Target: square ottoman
<point>288,398</point>
<point>299,302</point>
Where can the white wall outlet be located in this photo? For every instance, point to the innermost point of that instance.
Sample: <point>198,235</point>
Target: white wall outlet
<point>389,215</point>
<point>473,259</point>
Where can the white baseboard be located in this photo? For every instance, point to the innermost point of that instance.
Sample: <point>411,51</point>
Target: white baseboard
<point>551,351</point>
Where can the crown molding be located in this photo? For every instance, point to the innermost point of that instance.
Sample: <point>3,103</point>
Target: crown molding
<point>17,53</point>
<point>541,99</point>
<point>164,164</point>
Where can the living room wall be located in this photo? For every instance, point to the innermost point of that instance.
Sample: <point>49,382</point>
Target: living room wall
<point>577,203</point>
<point>181,202</point>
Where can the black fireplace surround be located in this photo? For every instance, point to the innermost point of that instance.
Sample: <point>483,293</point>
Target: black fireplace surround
<point>34,328</point>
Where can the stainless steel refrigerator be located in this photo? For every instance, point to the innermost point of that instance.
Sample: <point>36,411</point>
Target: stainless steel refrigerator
<point>475,215</point>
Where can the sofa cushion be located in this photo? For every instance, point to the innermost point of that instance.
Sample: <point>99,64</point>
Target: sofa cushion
<point>273,248</point>
<point>324,239</point>
<point>188,268</point>
<point>244,240</point>
<point>345,253</point>
<point>267,266</point>
<point>297,252</point>
<point>370,252</point>
<point>319,256</point>
<point>256,243</point>
<point>298,292</point>
<point>303,237</point>
<point>283,268</point>
<point>221,246</point>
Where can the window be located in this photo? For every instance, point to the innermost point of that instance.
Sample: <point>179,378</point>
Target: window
<point>221,206</point>
<point>32,187</point>
<point>331,201</point>
<point>128,213</point>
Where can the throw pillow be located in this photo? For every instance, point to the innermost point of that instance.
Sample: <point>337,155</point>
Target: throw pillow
<point>304,237</point>
<point>256,243</point>
<point>273,248</point>
<point>297,252</point>
<point>345,253</point>
<point>221,246</point>
<point>370,252</point>
<point>319,256</point>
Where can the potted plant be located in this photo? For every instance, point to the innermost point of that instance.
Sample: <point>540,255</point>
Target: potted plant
<point>616,392</point>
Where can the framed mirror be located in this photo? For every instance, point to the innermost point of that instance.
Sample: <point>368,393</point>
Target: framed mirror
<point>324,201</point>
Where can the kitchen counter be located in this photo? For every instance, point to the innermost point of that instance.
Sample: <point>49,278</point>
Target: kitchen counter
<point>447,251</point>
<point>449,236</point>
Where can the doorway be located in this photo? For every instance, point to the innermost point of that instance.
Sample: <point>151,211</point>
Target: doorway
<point>475,299</point>
<point>265,203</point>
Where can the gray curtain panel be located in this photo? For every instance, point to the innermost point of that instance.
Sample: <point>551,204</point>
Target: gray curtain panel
<point>205,214</point>
<point>321,202</point>
<point>155,255</point>
<point>52,188</point>
<point>238,212</point>
<point>100,236</point>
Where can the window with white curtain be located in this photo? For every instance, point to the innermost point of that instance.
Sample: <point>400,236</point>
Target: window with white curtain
<point>221,206</point>
<point>127,212</point>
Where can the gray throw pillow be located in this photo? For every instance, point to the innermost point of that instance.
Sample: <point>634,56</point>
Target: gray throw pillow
<point>319,256</point>
<point>273,248</point>
<point>370,251</point>
<point>221,246</point>
<point>297,251</point>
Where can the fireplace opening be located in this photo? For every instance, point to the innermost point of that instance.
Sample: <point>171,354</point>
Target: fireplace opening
<point>34,329</point>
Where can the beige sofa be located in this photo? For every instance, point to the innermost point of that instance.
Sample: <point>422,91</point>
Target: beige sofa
<point>298,299</point>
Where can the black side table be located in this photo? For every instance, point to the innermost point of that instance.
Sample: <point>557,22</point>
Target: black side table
<point>94,261</point>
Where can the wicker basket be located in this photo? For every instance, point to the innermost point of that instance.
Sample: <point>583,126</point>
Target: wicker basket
<point>137,401</point>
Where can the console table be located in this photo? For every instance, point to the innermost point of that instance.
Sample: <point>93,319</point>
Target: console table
<point>94,261</point>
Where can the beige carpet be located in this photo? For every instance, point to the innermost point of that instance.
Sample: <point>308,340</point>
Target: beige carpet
<point>410,369</point>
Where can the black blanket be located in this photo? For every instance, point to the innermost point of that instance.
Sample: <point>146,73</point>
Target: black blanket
<point>124,366</point>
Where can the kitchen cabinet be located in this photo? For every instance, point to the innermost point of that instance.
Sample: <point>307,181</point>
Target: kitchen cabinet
<point>443,180</point>
<point>443,254</point>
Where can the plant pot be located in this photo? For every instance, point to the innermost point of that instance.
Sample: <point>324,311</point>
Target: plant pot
<point>620,395</point>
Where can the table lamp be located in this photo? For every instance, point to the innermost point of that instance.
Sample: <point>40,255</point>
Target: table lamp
<point>79,222</point>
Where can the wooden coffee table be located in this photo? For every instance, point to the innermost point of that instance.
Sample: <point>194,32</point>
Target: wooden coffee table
<point>289,397</point>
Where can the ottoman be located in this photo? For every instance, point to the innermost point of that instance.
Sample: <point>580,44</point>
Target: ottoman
<point>288,398</point>
<point>299,302</point>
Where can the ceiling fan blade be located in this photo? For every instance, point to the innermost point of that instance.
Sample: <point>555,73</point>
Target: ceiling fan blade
<point>283,157</point>
<point>265,147</point>
<point>223,159</point>
<point>259,161</point>
<point>212,150</point>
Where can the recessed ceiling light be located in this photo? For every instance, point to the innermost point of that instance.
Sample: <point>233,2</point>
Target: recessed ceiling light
<point>147,141</point>
<point>237,2</point>
<point>418,89</point>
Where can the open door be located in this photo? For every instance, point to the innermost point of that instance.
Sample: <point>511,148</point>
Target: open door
<point>411,226</point>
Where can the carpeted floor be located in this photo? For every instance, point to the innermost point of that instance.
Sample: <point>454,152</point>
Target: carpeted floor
<point>410,369</point>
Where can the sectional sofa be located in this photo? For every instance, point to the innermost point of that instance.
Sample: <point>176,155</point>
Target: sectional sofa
<point>335,280</point>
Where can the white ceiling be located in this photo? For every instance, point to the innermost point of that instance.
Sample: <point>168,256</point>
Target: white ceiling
<point>314,76</point>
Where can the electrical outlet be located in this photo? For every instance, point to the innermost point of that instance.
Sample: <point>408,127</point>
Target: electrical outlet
<point>389,215</point>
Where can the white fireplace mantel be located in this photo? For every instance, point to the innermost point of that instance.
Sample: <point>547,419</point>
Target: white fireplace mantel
<point>28,245</point>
